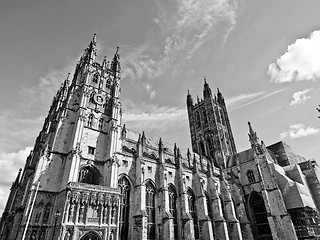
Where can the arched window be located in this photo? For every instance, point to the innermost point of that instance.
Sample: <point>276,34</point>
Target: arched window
<point>87,175</point>
<point>210,147</point>
<point>108,83</point>
<point>193,212</point>
<point>95,78</point>
<point>251,177</point>
<point>202,149</point>
<point>90,120</point>
<point>259,214</point>
<point>150,207</point>
<point>91,98</point>
<point>91,236</point>
<point>205,117</point>
<point>100,124</point>
<point>124,186</point>
<point>198,121</point>
<point>173,210</point>
<point>46,213</point>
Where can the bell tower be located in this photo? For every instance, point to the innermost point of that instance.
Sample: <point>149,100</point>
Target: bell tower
<point>210,128</point>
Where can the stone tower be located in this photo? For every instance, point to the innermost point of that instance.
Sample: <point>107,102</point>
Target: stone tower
<point>210,128</point>
<point>69,184</point>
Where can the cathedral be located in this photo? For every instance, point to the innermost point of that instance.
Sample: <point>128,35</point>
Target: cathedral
<point>89,177</point>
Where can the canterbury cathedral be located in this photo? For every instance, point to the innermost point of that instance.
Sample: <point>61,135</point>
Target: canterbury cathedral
<point>90,177</point>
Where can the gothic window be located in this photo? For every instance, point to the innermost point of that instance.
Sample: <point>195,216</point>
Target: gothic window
<point>108,83</point>
<point>38,215</point>
<point>193,212</point>
<point>210,147</point>
<point>95,78</point>
<point>87,175</point>
<point>100,124</point>
<point>205,117</point>
<point>124,186</point>
<point>150,207</point>
<point>90,120</point>
<point>173,210</point>
<point>259,214</point>
<point>202,149</point>
<point>251,177</point>
<point>198,120</point>
<point>46,213</point>
<point>91,236</point>
<point>91,98</point>
<point>91,150</point>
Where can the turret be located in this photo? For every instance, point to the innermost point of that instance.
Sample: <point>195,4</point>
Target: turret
<point>207,94</point>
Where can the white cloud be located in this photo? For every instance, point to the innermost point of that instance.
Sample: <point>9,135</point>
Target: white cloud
<point>152,93</point>
<point>299,130</point>
<point>300,62</point>
<point>152,118</point>
<point>243,100</point>
<point>301,97</point>
<point>192,24</point>
<point>9,167</point>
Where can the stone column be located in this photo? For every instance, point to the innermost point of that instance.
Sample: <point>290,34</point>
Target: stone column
<point>187,221</point>
<point>205,230</point>
<point>230,214</point>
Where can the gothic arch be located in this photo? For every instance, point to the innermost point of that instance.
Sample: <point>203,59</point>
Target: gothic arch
<point>173,208</point>
<point>198,119</point>
<point>193,211</point>
<point>151,209</point>
<point>125,187</point>
<point>251,177</point>
<point>92,235</point>
<point>89,174</point>
<point>258,216</point>
<point>202,148</point>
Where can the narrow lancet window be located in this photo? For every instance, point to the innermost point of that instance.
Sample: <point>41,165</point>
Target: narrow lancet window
<point>150,207</point>
<point>124,186</point>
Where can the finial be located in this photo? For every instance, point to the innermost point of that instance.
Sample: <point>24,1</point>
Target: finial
<point>188,92</point>
<point>205,80</point>
<point>117,50</point>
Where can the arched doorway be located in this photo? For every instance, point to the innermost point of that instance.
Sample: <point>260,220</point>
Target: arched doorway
<point>91,236</point>
<point>259,217</point>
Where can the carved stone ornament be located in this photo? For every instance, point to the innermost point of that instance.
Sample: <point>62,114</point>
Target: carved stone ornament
<point>99,99</point>
<point>77,149</point>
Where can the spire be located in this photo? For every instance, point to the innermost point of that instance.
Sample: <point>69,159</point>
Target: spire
<point>18,177</point>
<point>189,99</point>
<point>115,64</point>
<point>254,140</point>
<point>220,98</point>
<point>90,53</point>
<point>160,144</point>
<point>206,90</point>
<point>104,63</point>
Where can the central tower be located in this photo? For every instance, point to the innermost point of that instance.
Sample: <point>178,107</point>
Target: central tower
<point>210,128</point>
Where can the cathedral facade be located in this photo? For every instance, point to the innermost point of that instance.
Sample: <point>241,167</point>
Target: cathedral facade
<point>90,178</point>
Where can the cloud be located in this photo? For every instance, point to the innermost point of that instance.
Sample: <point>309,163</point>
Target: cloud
<point>152,93</point>
<point>300,62</point>
<point>300,97</point>
<point>299,130</point>
<point>20,123</point>
<point>243,100</point>
<point>9,167</point>
<point>152,118</point>
<point>189,27</point>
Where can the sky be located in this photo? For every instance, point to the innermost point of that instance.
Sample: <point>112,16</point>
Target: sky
<point>263,55</point>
